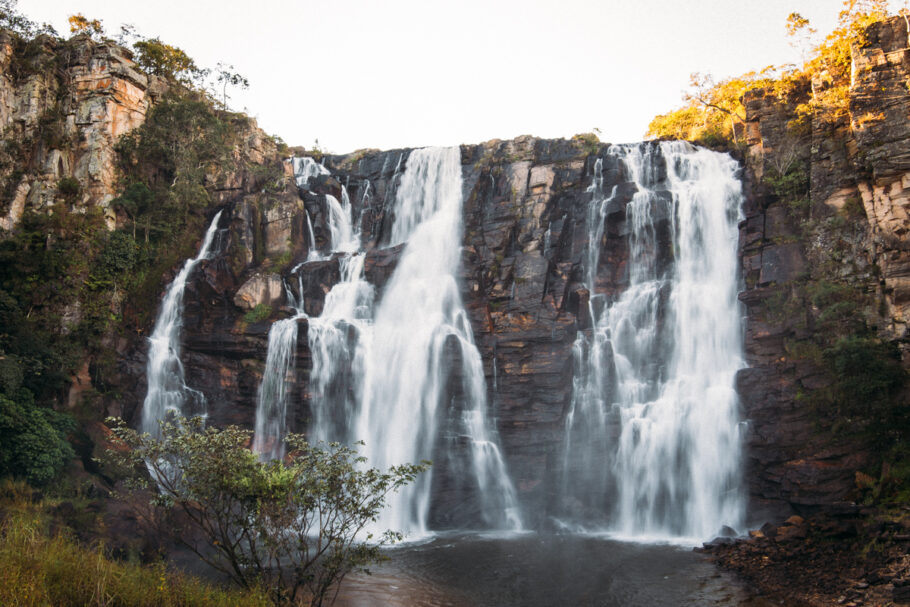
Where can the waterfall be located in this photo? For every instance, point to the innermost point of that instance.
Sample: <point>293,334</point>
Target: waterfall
<point>338,340</point>
<point>387,376</point>
<point>305,168</point>
<point>168,393</point>
<point>313,254</point>
<point>345,302</point>
<point>420,327</point>
<point>344,235</point>
<point>272,397</point>
<point>652,445</point>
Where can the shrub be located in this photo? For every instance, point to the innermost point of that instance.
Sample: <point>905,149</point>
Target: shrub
<point>294,525</point>
<point>33,443</point>
<point>867,377</point>
<point>69,188</point>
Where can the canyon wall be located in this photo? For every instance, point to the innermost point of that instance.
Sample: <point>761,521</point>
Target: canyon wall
<point>847,230</point>
<point>525,206</point>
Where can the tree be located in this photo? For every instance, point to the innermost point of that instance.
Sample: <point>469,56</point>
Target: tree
<point>162,59</point>
<point>802,33</point>
<point>33,444</point>
<point>225,76</point>
<point>80,24</point>
<point>298,525</point>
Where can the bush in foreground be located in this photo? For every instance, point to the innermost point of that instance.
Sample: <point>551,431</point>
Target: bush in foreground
<point>296,527</point>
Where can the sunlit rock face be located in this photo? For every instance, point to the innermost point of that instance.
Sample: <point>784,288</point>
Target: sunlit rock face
<point>858,173</point>
<point>104,97</point>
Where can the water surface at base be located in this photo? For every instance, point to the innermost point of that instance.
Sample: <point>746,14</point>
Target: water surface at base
<point>533,570</point>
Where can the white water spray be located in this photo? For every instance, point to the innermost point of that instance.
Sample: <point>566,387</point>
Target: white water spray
<point>386,377</point>
<point>305,168</point>
<point>653,429</point>
<point>277,381</point>
<point>168,394</point>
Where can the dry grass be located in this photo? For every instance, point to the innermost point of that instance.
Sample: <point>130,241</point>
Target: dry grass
<point>41,569</point>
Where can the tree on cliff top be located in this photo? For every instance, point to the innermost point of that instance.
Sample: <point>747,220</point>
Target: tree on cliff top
<point>713,113</point>
<point>296,526</point>
<point>80,24</point>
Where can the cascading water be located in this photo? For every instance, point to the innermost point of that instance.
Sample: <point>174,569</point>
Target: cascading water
<point>349,302</point>
<point>306,168</point>
<point>419,323</point>
<point>384,377</point>
<point>278,377</point>
<point>652,446</point>
<point>338,340</point>
<point>168,393</point>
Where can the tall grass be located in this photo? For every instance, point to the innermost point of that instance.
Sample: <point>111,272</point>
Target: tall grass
<point>42,569</point>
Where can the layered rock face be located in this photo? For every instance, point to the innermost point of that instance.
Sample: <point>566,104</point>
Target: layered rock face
<point>63,106</point>
<point>524,211</point>
<point>852,230</point>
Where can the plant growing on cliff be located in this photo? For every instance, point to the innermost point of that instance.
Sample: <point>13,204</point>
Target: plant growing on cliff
<point>162,59</point>
<point>714,115</point>
<point>179,150</point>
<point>80,24</point>
<point>295,526</point>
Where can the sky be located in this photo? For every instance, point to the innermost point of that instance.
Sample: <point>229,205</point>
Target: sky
<point>358,74</point>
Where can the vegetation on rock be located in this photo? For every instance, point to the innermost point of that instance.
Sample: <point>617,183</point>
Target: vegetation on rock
<point>713,114</point>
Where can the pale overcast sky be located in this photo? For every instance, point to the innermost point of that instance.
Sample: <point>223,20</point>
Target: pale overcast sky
<point>395,73</point>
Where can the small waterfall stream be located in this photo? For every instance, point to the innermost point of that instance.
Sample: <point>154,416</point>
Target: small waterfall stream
<point>652,444</point>
<point>167,392</point>
<point>277,379</point>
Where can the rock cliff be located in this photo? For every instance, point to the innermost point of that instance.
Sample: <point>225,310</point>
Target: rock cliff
<point>844,231</point>
<point>525,204</point>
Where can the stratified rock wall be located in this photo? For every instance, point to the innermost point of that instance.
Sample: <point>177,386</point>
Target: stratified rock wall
<point>853,231</point>
<point>62,112</point>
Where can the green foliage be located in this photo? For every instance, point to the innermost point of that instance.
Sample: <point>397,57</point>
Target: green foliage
<point>292,525</point>
<point>33,444</point>
<point>589,142</point>
<point>43,267</point>
<point>863,374</point>
<point>136,201</point>
<point>39,568</point>
<point>69,188</point>
<point>115,262</point>
<point>792,185</point>
<point>867,376</point>
<point>182,140</point>
<point>169,164</point>
<point>258,314</point>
